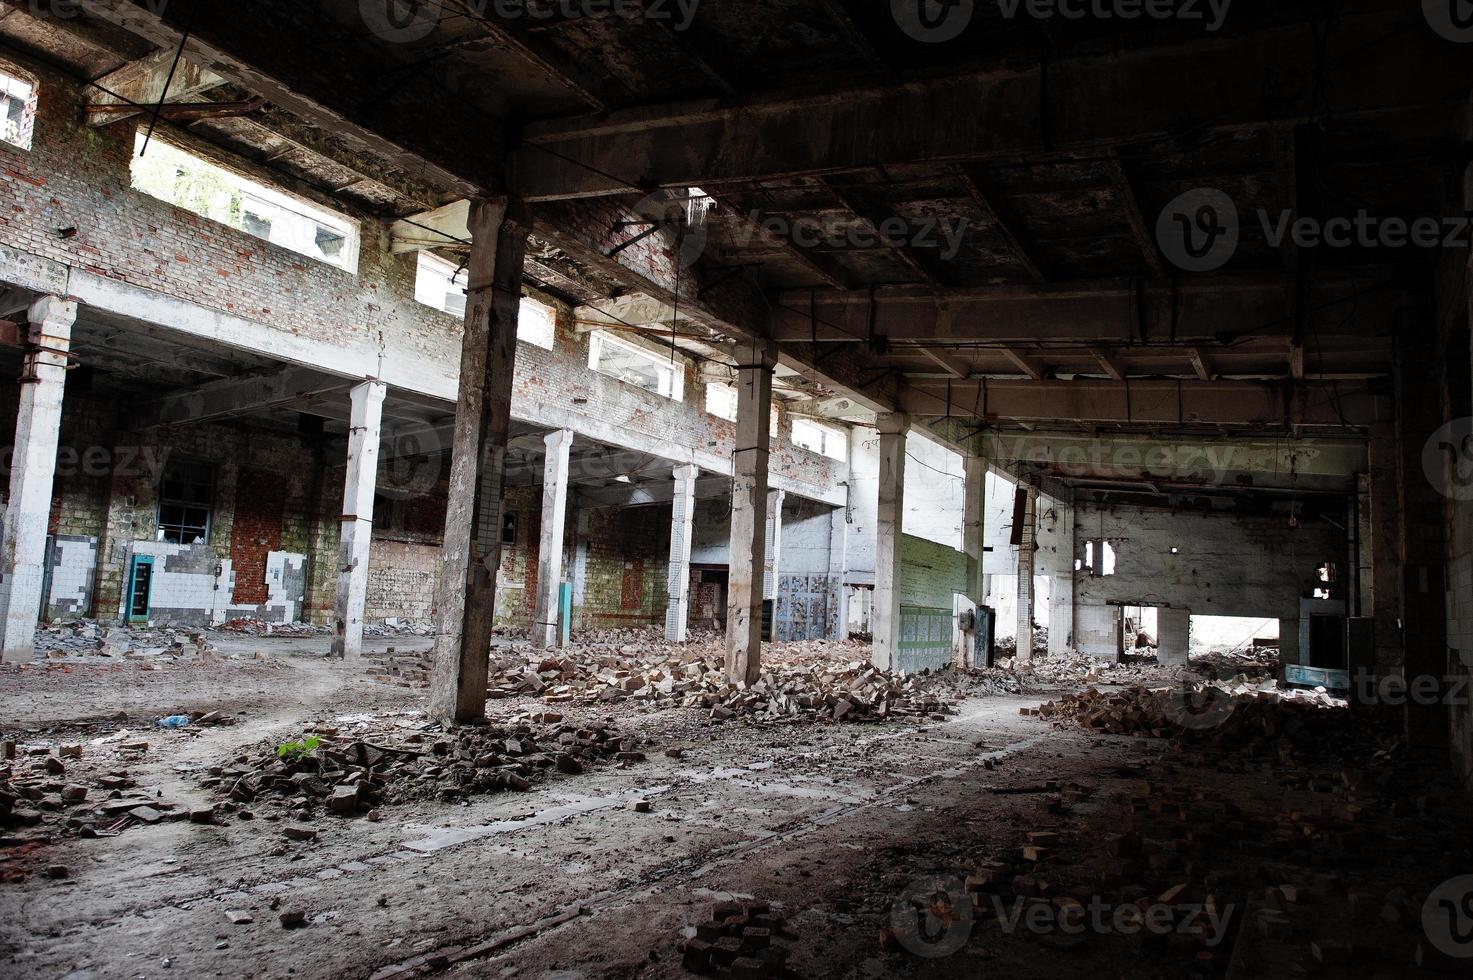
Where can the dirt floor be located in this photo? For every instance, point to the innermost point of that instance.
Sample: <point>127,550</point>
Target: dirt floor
<point>1300,849</point>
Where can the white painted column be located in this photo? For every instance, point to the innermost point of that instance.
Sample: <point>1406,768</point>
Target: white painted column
<point>1061,585</point>
<point>550,551</point>
<point>838,564</point>
<point>356,534</point>
<point>32,469</point>
<point>682,530</point>
<point>888,530</point>
<point>774,538</point>
<point>973,528</point>
<point>1027,550</point>
<point>755,360</point>
<point>1173,635</point>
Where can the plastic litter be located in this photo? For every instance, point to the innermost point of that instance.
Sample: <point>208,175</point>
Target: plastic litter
<point>173,721</point>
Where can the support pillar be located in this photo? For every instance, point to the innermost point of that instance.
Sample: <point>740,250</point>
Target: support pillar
<point>1385,549</point>
<point>357,520</point>
<point>1173,635</point>
<point>1027,551</point>
<point>755,360</point>
<point>465,594</point>
<point>682,529</point>
<point>550,549</point>
<point>773,532</point>
<point>32,469</point>
<point>974,510</point>
<point>837,627</point>
<point>1061,585</point>
<point>889,526</point>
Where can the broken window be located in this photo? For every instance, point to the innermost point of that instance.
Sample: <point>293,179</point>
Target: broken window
<point>721,401</point>
<point>636,366</point>
<point>180,178</point>
<point>826,440</point>
<point>1105,565</point>
<point>1107,558</point>
<point>17,110</point>
<point>441,283</point>
<point>509,530</point>
<point>186,498</point>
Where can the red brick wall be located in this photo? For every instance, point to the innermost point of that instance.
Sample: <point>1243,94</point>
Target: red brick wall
<point>259,499</point>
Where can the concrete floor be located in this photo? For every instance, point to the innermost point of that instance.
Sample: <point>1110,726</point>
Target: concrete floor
<point>832,822</point>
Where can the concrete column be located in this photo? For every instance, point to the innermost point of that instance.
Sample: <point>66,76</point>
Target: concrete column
<point>364,433</point>
<point>1027,550</point>
<point>773,533</point>
<point>32,469</point>
<point>885,618</point>
<point>465,595</point>
<point>1061,585</point>
<point>973,532</point>
<point>682,530</point>
<point>1385,551</point>
<point>1173,635</point>
<point>1288,641</point>
<point>838,565</point>
<point>550,551</point>
<point>755,360</point>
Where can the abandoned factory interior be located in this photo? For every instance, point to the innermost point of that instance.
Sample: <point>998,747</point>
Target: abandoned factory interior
<point>744,489</point>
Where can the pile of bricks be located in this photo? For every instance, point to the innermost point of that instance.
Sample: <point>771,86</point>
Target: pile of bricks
<point>347,772</point>
<point>816,690</point>
<point>1162,711</point>
<point>45,792</point>
<point>738,942</point>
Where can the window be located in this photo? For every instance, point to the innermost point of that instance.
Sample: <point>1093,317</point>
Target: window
<point>186,497</point>
<point>17,110</point>
<point>826,440</point>
<point>509,530</point>
<point>441,284</point>
<point>636,366</point>
<point>210,191</point>
<point>721,401</point>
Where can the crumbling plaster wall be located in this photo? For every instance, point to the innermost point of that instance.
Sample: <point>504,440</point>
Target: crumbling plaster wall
<point>1226,564</point>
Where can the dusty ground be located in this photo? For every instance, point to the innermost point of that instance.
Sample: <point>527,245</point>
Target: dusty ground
<point>834,823</point>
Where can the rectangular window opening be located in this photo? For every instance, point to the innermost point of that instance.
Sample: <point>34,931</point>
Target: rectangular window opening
<point>17,110</point>
<point>721,400</point>
<point>194,184</point>
<point>826,440</point>
<point>636,366</point>
<point>186,501</point>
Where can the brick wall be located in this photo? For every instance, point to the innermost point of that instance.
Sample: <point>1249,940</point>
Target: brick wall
<point>259,502</point>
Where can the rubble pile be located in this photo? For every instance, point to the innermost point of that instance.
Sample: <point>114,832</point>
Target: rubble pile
<point>258,627</point>
<point>802,688</point>
<point>738,942</point>
<point>45,791</point>
<point>1162,711</point>
<point>83,638</point>
<point>350,769</point>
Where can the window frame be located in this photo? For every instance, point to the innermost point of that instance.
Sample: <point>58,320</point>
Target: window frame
<point>598,340</point>
<point>28,101</point>
<point>826,433</point>
<point>166,500</point>
<point>428,264</point>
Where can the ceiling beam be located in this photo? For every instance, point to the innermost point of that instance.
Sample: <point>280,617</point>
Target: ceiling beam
<point>511,33</point>
<point>1130,204</point>
<point>241,395</point>
<point>143,83</point>
<point>1008,226</point>
<point>328,92</point>
<point>827,268</point>
<point>1385,62</point>
<point>1108,364</point>
<point>928,266</point>
<point>1149,403</point>
<point>853,35</point>
<point>1023,363</point>
<point>1201,363</point>
<point>1203,312</point>
<point>946,362</point>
